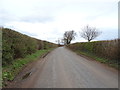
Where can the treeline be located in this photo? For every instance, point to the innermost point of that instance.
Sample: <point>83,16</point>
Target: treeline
<point>16,45</point>
<point>104,49</point>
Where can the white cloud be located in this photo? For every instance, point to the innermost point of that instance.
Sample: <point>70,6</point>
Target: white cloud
<point>49,19</point>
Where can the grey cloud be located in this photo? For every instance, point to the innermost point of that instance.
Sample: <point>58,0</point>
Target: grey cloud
<point>35,19</point>
<point>4,20</point>
<point>108,34</point>
<point>6,17</point>
<point>28,33</point>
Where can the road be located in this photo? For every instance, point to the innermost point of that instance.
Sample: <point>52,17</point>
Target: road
<point>63,68</point>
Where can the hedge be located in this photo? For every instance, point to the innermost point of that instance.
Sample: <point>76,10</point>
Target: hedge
<point>16,45</point>
<point>106,49</point>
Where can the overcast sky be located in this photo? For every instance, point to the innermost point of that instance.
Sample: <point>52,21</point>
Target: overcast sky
<point>49,19</point>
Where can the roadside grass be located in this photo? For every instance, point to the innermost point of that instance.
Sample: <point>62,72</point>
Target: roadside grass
<point>110,63</point>
<point>10,71</point>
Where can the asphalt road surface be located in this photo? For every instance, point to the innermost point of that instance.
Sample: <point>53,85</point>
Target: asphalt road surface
<point>63,68</point>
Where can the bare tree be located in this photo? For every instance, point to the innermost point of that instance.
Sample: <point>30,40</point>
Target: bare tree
<point>58,41</point>
<point>89,33</point>
<point>68,37</point>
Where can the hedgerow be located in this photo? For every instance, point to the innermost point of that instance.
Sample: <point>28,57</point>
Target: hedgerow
<point>16,45</point>
<point>105,49</point>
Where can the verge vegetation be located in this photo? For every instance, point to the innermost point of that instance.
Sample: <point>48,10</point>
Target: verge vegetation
<point>18,50</point>
<point>10,71</point>
<point>102,51</point>
<point>16,45</point>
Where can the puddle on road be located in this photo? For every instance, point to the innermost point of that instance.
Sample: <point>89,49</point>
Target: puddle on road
<point>26,75</point>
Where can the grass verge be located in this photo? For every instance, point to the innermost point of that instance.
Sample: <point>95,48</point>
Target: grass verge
<point>110,63</point>
<point>9,72</point>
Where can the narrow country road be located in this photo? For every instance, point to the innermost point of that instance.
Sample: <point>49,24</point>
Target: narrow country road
<point>63,68</point>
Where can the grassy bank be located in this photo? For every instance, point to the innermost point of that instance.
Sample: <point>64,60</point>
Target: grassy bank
<point>18,50</point>
<point>103,51</point>
<point>10,71</point>
<point>100,59</point>
<point>17,45</point>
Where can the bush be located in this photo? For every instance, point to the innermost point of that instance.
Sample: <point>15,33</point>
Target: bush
<point>17,45</point>
<point>104,49</point>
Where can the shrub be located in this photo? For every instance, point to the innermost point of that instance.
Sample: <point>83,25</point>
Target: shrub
<point>17,45</point>
<point>106,49</point>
